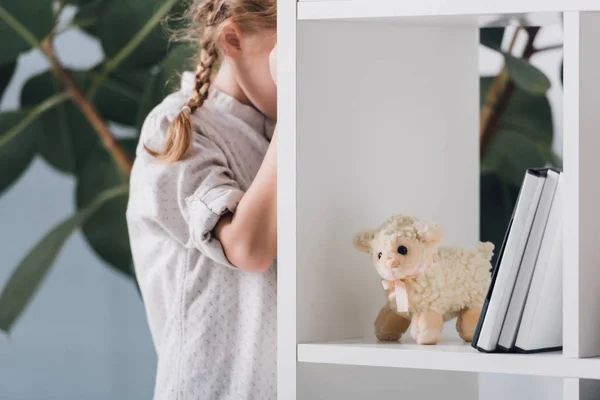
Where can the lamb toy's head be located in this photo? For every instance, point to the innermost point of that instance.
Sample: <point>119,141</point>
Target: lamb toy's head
<point>402,247</point>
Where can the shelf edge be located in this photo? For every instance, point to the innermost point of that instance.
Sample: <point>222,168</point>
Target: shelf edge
<point>363,9</point>
<point>549,365</point>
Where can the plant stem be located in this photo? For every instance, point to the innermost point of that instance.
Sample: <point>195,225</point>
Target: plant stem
<point>498,85</point>
<point>19,28</point>
<point>547,48</point>
<point>118,86</point>
<point>63,125</point>
<point>38,110</point>
<point>105,196</point>
<point>112,145</point>
<point>139,37</point>
<point>499,104</point>
<point>513,41</point>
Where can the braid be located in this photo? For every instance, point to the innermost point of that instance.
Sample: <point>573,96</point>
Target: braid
<point>203,76</point>
<point>181,134</point>
<point>206,21</point>
<point>212,13</point>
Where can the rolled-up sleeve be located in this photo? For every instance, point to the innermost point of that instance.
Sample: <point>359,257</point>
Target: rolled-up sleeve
<point>190,196</point>
<point>205,211</point>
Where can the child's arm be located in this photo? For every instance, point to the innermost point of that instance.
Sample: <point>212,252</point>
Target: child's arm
<point>249,236</point>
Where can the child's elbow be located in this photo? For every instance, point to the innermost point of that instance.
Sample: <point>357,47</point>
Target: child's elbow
<point>251,257</point>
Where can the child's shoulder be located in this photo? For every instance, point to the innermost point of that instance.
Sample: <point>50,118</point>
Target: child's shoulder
<point>156,125</point>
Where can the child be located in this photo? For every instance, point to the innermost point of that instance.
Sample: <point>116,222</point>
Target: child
<point>202,212</point>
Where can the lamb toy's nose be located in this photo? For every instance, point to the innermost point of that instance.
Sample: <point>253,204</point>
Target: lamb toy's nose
<point>391,263</point>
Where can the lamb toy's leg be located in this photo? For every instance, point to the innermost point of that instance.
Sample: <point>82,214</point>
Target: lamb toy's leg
<point>467,322</point>
<point>414,326</point>
<point>427,327</point>
<point>389,326</point>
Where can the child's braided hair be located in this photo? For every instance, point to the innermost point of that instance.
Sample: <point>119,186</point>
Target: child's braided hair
<point>206,21</point>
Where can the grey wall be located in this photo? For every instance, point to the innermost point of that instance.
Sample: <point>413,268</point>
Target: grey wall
<point>85,334</point>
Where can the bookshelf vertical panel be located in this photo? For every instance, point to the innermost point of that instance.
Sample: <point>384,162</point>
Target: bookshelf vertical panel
<point>570,389</point>
<point>286,198</point>
<point>581,307</point>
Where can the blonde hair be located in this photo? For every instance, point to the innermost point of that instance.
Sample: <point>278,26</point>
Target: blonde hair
<point>205,23</point>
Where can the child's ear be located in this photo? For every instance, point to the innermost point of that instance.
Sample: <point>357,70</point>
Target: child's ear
<point>363,240</point>
<point>430,233</point>
<point>231,40</point>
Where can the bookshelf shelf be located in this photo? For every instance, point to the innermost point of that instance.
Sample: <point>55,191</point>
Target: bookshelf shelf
<point>366,9</point>
<point>379,115</point>
<point>447,356</point>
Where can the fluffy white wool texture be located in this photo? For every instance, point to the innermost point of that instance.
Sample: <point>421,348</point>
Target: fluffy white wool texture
<point>457,280</point>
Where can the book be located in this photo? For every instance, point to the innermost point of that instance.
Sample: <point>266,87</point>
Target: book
<point>540,328</point>
<point>520,290</point>
<point>494,309</point>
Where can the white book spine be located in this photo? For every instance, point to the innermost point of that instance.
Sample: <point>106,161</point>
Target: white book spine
<point>511,259</point>
<point>541,323</point>
<point>528,263</point>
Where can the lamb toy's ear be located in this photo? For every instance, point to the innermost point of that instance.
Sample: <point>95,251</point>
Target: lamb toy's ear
<point>430,233</point>
<point>363,240</point>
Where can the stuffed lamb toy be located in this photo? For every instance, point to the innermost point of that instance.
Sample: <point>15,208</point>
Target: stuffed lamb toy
<point>426,284</point>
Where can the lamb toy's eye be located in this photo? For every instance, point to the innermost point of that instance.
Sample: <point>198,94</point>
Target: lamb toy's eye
<point>403,250</point>
<point>379,256</point>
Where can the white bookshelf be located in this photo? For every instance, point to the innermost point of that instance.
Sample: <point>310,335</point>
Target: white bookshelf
<point>365,9</point>
<point>450,355</point>
<point>378,115</point>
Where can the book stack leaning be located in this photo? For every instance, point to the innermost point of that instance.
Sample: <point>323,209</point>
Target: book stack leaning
<point>523,309</point>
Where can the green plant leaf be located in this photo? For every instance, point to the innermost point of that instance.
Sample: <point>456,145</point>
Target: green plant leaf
<point>497,200</point>
<point>526,76</point>
<point>83,3</point>
<point>22,24</point>
<point>6,73</point>
<point>167,79</point>
<point>150,98</point>
<point>118,98</point>
<point>524,137</point>
<point>30,272</point>
<point>523,140</point>
<point>106,231</point>
<point>16,150</point>
<point>491,38</point>
<point>87,14</point>
<point>67,139</point>
<point>180,59</point>
<point>511,153</point>
<point>120,21</point>
<point>526,113</point>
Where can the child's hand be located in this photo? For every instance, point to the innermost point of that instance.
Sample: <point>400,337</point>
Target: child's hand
<point>273,64</point>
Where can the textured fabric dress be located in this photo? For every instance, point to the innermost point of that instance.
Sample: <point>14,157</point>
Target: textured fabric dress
<point>213,326</point>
